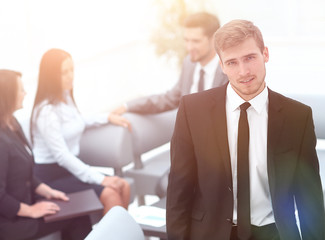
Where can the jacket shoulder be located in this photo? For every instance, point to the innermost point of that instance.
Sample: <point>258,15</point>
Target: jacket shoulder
<point>287,102</point>
<point>213,93</point>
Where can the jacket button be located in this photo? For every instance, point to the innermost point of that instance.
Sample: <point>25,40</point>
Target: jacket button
<point>229,220</point>
<point>229,188</point>
<point>28,184</point>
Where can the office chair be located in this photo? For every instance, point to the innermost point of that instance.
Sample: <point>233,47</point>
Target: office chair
<point>149,132</point>
<point>117,224</point>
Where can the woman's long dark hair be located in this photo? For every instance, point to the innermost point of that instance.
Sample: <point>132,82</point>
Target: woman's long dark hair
<point>49,86</point>
<point>8,95</point>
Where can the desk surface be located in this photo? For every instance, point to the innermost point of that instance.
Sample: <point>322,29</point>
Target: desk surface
<point>79,204</point>
<point>159,232</point>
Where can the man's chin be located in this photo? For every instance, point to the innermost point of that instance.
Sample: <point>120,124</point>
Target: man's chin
<point>194,59</point>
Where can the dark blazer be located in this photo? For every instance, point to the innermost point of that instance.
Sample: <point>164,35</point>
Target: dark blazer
<point>17,183</point>
<point>170,99</point>
<point>199,196</point>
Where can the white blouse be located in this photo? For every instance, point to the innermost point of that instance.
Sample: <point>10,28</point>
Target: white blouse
<point>57,133</point>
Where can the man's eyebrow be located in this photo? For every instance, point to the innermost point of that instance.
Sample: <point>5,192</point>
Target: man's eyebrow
<point>230,60</point>
<point>245,56</point>
<point>249,55</point>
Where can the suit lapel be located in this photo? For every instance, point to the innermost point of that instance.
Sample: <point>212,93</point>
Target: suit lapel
<point>219,120</point>
<point>190,76</point>
<point>275,124</point>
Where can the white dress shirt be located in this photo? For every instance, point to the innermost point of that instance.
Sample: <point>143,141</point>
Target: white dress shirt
<point>209,74</point>
<point>257,114</point>
<point>57,135</point>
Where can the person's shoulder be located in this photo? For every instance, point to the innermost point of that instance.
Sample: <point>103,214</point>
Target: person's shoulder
<point>47,112</point>
<point>187,61</point>
<point>207,97</point>
<point>45,108</point>
<point>290,103</point>
<point>284,98</point>
<point>212,92</point>
<point>5,139</point>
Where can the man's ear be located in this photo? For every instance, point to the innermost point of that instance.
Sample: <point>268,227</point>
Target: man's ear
<point>266,54</point>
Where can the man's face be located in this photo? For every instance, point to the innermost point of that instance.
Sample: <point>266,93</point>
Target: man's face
<point>244,65</point>
<point>198,45</point>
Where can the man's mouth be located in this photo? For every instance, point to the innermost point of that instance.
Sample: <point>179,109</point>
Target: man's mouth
<point>247,80</point>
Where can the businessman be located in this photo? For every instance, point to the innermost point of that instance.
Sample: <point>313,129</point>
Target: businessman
<point>242,155</point>
<point>200,68</point>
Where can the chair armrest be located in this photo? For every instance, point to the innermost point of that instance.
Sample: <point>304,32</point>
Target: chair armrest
<point>107,146</point>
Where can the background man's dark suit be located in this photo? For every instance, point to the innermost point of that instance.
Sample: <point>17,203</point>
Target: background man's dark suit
<point>170,100</point>
<point>200,198</point>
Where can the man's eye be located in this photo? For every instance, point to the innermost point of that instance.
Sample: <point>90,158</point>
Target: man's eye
<point>231,63</point>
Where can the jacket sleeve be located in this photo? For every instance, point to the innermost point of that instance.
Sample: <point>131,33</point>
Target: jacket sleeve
<point>182,179</point>
<point>308,188</point>
<point>166,101</point>
<point>9,206</point>
<point>156,103</point>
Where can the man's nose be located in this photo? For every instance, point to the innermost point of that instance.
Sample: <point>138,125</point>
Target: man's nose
<point>243,69</point>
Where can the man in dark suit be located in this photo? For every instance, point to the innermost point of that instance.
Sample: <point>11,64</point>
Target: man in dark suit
<point>223,189</point>
<point>198,35</point>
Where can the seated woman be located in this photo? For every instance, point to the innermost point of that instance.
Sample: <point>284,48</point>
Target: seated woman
<point>56,130</point>
<point>20,215</point>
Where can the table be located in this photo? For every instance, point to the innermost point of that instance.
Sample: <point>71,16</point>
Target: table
<point>159,232</point>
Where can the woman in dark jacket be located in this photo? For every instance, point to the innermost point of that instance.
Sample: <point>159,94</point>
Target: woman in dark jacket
<point>21,217</point>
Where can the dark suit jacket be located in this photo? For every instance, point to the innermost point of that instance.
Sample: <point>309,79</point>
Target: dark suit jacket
<point>200,198</point>
<point>170,100</point>
<point>17,183</point>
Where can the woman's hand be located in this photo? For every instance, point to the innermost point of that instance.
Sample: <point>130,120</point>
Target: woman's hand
<point>113,182</point>
<point>37,210</point>
<point>56,194</point>
<point>50,193</point>
<point>120,110</point>
<point>120,121</point>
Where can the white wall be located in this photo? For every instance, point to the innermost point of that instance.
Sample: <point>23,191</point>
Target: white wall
<point>109,41</point>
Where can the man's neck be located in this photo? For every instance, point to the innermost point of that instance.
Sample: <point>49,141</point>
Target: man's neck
<point>206,60</point>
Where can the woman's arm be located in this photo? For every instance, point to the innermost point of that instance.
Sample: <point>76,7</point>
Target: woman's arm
<point>50,193</point>
<point>8,204</point>
<point>49,129</point>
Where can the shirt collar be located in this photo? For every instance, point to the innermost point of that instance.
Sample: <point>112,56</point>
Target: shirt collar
<point>258,103</point>
<point>211,67</point>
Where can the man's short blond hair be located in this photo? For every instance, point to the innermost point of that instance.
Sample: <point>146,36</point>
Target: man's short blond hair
<point>207,21</point>
<point>234,33</point>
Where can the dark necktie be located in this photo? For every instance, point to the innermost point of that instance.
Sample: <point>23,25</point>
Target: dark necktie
<point>243,192</point>
<point>201,81</point>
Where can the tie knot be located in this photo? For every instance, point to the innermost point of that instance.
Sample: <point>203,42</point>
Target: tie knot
<point>244,106</point>
<point>201,72</point>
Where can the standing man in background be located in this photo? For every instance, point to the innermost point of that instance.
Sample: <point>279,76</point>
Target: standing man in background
<point>242,155</point>
<point>200,68</point>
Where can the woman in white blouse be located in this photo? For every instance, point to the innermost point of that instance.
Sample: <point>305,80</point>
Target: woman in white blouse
<point>56,129</point>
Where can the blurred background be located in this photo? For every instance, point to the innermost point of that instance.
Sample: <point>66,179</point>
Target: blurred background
<point>126,49</point>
